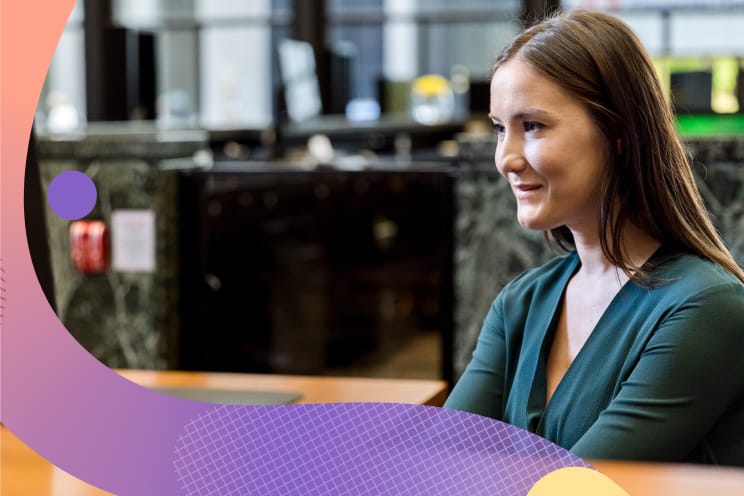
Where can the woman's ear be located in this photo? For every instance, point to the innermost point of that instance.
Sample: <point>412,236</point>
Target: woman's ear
<point>619,146</point>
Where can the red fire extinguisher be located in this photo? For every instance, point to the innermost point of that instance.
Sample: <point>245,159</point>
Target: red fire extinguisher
<point>89,245</point>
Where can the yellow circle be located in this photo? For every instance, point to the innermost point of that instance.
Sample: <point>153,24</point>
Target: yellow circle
<point>576,481</point>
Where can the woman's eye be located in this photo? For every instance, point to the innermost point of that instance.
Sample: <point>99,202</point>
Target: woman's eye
<point>498,129</point>
<point>532,126</point>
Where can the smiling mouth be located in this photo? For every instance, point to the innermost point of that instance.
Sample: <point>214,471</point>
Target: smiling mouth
<point>524,191</point>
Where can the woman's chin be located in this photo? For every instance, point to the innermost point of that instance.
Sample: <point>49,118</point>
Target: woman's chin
<point>530,222</point>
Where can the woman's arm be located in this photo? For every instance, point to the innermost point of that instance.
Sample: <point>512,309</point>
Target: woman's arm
<point>480,390</point>
<point>688,378</point>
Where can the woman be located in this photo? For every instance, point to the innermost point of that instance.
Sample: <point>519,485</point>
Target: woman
<point>632,345</point>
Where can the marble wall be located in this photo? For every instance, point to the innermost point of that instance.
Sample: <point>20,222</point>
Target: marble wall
<point>130,319</point>
<point>125,319</point>
<point>492,248</point>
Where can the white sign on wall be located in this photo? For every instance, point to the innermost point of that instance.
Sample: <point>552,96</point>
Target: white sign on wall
<point>133,240</point>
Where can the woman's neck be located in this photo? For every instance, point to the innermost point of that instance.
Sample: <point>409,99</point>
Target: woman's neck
<point>637,246</point>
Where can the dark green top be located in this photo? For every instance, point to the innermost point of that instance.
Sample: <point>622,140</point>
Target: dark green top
<point>661,377</point>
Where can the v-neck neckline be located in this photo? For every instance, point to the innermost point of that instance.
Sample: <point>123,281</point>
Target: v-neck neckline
<point>537,396</point>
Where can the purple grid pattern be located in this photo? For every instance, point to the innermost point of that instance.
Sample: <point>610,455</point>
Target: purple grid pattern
<point>360,449</point>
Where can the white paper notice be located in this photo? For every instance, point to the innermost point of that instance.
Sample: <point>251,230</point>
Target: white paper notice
<point>133,240</point>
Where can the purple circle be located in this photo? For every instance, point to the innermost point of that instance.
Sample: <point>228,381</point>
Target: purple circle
<point>72,195</point>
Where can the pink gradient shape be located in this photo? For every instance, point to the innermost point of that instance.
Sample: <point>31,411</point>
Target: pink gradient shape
<point>55,396</point>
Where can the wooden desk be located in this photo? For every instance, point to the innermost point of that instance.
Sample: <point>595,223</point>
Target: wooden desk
<point>314,389</point>
<point>661,479</point>
<point>26,473</point>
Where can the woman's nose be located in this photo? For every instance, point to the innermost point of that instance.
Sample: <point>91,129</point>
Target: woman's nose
<point>509,155</point>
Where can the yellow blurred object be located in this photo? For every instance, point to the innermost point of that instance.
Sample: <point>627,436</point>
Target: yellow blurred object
<point>430,85</point>
<point>432,99</point>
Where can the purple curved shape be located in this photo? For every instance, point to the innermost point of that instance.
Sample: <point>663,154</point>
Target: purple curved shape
<point>126,439</point>
<point>360,449</point>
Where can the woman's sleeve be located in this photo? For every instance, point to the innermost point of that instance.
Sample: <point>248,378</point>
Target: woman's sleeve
<point>480,390</point>
<point>689,375</point>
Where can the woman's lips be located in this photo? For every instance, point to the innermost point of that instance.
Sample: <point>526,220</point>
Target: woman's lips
<point>524,191</point>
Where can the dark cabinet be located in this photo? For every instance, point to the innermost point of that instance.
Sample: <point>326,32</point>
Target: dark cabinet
<point>313,272</point>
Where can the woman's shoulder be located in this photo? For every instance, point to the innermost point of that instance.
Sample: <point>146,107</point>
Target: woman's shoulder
<point>685,277</point>
<point>690,272</point>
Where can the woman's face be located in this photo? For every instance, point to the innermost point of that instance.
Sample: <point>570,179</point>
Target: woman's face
<point>549,149</point>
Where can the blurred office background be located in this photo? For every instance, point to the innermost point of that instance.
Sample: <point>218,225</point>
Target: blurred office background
<point>359,238</point>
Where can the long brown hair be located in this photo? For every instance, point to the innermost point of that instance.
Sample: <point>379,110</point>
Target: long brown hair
<point>649,179</point>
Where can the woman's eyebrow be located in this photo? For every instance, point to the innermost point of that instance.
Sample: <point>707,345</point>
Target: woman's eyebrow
<point>528,112</point>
